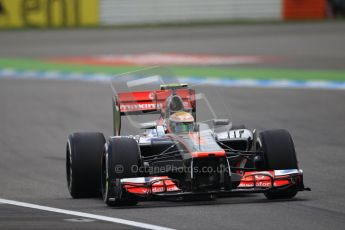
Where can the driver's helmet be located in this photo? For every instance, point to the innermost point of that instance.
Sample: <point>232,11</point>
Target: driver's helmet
<point>181,122</point>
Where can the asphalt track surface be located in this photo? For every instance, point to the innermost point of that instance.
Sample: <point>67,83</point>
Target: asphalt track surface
<point>37,115</point>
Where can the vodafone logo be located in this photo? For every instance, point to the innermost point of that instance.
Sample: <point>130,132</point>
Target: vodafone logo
<point>151,96</point>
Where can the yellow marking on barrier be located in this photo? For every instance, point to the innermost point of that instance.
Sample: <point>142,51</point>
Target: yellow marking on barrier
<point>48,13</point>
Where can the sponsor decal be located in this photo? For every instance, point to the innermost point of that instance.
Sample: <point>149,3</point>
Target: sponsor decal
<point>48,13</point>
<point>139,107</point>
<point>263,180</point>
<point>151,96</point>
<point>135,107</point>
<point>258,184</point>
<point>144,106</point>
<point>138,185</point>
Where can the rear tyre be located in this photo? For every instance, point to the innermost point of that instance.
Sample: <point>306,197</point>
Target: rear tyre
<point>119,161</point>
<point>279,154</point>
<point>83,164</point>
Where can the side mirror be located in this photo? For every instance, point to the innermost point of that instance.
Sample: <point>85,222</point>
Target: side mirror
<point>219,122</point>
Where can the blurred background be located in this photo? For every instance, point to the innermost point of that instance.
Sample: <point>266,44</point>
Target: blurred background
<point>74,13</point>
<point>275,64</point>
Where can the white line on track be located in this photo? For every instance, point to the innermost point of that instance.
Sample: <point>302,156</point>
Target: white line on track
<point>85,215</point>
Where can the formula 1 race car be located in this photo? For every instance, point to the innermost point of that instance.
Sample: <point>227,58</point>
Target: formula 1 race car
<point>178,157</point>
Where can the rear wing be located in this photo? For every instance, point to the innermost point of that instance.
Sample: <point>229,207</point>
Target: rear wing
<point>138,103</point>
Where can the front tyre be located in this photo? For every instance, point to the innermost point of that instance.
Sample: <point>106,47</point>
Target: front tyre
<point>120,158</point>
<point>279,153</point>
<point>83,164</point>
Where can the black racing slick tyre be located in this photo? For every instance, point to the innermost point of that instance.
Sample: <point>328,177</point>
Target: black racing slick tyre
<point>279,153</point>
<point>83,164</point>
<point>279,150</point>
<point>122,159</point>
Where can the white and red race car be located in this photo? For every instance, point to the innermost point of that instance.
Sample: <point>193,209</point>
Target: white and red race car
<point>195,161</point>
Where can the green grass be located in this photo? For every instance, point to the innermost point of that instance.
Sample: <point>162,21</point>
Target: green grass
<point>199,71</point>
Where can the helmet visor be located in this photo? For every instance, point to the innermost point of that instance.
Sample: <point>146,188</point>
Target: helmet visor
<point>182,127</point>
